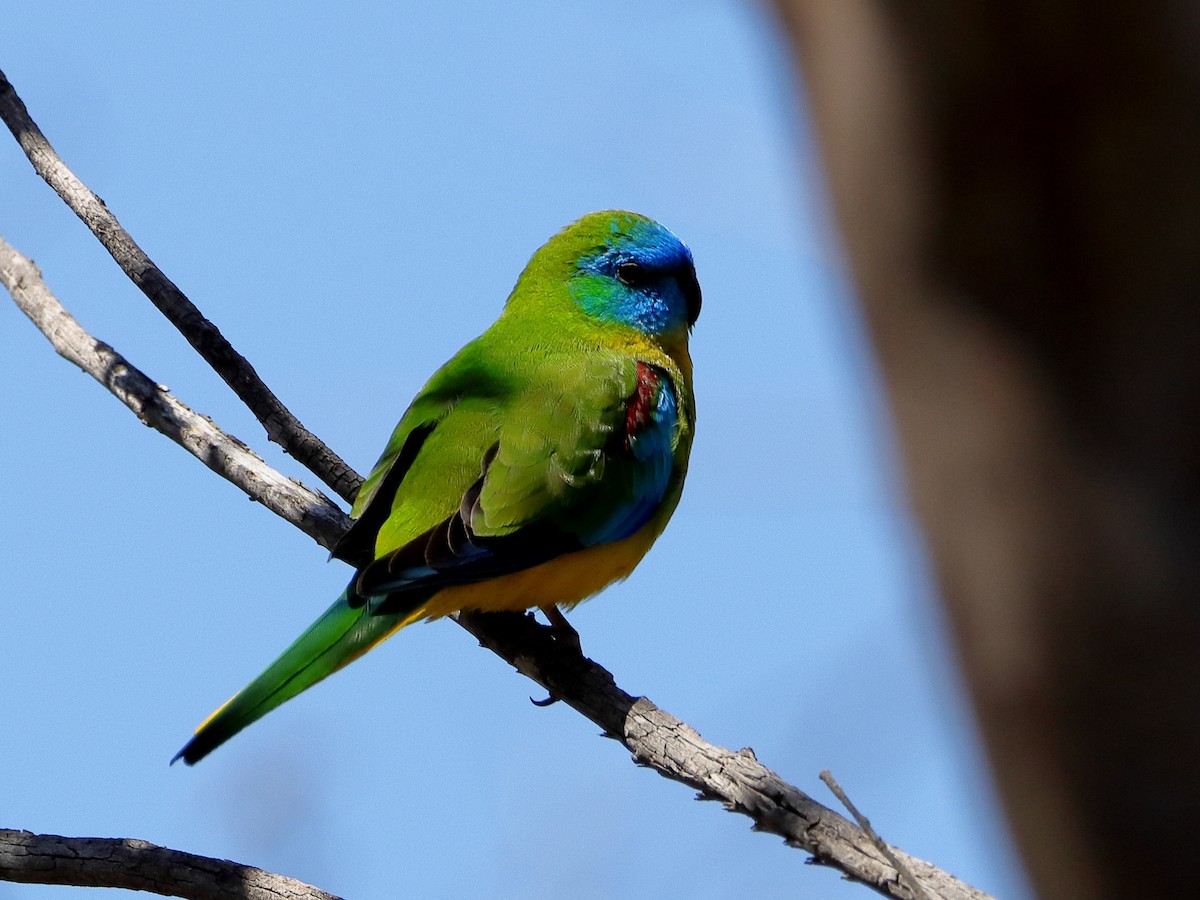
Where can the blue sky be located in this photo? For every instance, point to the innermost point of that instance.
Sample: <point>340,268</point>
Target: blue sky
<point>349,191</point>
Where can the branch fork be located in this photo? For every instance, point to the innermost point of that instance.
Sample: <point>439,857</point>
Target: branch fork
<point>654,737</point>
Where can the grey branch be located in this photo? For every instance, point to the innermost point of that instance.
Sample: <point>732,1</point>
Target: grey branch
<point>282,427</point>
<point>865,824</point>
<point>676,751</point>
<point>311,512</point>
<point>140,866</point>
<point>655,738</point>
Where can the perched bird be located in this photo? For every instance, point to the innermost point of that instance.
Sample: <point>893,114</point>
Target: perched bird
<point>534,469</point>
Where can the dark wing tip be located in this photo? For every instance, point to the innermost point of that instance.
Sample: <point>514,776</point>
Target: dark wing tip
<point>357,545</point>
<point>195,750</point>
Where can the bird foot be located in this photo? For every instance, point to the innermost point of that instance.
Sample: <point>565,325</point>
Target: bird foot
<point>561,630</point>
<point>566,639</point>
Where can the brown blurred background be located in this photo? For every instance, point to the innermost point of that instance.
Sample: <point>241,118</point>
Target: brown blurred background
<point>1018,189</point>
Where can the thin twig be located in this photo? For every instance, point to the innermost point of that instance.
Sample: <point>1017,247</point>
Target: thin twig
<point>282,427</point>
<point>865,824</point>
<point>655,738</point>
<point>140,866</point>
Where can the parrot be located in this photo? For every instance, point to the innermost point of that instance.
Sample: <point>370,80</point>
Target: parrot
<point>534,469</point>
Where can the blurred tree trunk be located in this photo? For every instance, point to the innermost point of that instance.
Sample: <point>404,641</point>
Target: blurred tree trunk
<point>1019,190</point>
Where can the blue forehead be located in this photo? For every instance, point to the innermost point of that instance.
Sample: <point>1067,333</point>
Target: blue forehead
<point>639,240</point>
<point>654,307</point>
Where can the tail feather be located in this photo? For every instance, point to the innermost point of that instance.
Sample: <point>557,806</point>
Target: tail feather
<point>344,633</point>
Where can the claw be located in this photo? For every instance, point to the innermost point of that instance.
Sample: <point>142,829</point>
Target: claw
<point>561,629</point>
<point>542,704</point>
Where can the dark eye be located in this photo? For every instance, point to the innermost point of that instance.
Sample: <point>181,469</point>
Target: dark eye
<point>632,274</point>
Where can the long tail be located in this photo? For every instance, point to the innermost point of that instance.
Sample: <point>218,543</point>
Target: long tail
<point>345,632</point>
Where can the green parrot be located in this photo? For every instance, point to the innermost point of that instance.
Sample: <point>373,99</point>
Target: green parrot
<point>534,469</point>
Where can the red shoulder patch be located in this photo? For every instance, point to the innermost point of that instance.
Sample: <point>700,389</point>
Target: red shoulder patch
<point>639,408</point>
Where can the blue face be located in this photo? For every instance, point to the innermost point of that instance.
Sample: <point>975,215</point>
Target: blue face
<point>642,277</point>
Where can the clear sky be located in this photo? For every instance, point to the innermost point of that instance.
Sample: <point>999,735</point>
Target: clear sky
<point>349,191</point>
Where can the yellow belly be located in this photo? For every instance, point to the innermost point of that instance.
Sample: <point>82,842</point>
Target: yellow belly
<point>564,581</point>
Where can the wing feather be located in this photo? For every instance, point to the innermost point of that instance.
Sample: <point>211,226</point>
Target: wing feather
<point>560,476</point>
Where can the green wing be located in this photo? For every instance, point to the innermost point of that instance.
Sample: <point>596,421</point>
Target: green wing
<point>534,475</point>
<point>444,433</point>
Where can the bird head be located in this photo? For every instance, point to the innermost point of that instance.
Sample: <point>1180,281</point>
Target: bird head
<point>625,269</point>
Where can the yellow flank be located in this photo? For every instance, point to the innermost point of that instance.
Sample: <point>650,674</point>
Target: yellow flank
<point>565,580</point>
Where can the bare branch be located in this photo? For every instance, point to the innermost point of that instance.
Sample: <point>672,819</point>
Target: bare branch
<point>880,844</point>
<point>311,512</point>
<point>140,866</point>
<point>676,751</point>
<point>655,738</point>
<point>282,427</point>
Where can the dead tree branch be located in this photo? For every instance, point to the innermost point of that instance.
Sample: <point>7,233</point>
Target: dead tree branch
<point>140,866</point>
<point>865,824</point>
<point>282,427</point>
<point>655,738</point>
<point>311,512</point>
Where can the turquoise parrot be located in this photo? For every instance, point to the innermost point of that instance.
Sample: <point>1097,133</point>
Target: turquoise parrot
<point>534,468</point>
